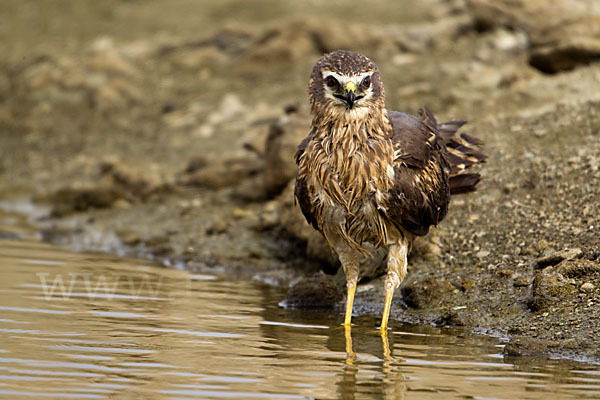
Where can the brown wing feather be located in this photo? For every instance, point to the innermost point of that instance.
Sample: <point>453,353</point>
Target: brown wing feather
<point>302,148</point>
<point>303,198</point>
<point>301,193</point>
<point>429,166</point>
<point>421,191</point>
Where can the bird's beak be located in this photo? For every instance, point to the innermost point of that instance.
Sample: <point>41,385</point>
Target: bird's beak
<point>350,94</point>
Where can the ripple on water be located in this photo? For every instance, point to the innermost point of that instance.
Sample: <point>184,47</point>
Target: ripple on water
<point>166,333</point>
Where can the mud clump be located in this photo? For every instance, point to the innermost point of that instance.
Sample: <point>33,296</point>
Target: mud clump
<point>555,285</point>
<point>220,174</point>
<point>281,146</point>
<point>116,182</point>
<point>554,46</point>
<point>527,347</point>
<point>315,291</point>
<point>577,268</point>
<point>426,293</point>
<point>549,288</point>
<point>568,46</point>
<point>556,257</point>
<point>69,200</point>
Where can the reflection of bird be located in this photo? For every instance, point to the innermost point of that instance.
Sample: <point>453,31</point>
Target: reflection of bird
<point>369,175</point>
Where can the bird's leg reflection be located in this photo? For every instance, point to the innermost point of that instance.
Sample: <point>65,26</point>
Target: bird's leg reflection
<point>393,384</point>
<point>348,385</point>
<point>385,343</point>
<point>350,355</point>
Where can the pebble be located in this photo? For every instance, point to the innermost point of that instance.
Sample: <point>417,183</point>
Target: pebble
<point>129,237</point>
<point>241,213</point>
<point>483,253</point>
<point>588,287</point>
<point>521,281</point>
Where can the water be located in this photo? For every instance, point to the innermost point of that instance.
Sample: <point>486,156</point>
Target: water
<point>89,326</point>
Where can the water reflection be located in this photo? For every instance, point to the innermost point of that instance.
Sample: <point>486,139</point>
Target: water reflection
<point>390,384</point>
<point>118,328</point>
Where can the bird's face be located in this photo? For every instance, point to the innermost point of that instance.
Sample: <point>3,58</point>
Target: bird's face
<point>345,85</point>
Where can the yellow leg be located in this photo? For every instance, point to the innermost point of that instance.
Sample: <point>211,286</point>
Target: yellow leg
<point>396,265</point>
<point>389,293</point>
<point>349,303</point>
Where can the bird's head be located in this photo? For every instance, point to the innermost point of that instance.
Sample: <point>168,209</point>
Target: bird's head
<point>345,85</point>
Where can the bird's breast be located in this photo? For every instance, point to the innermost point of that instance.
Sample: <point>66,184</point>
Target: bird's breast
<point>349,171</point>
<point>354,216</point>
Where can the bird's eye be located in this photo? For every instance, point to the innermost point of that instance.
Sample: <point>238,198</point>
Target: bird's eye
<point>331,82</point>
<point>366,82</point>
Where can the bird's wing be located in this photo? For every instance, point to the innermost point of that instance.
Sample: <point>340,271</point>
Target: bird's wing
<point>421,192</point>
<point>302,148</point>
<point>301,193</point>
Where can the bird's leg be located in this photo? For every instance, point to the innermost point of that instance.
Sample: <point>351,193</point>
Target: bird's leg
<point>351,271</point>
<point>349,261</point>
<point>396,266</point>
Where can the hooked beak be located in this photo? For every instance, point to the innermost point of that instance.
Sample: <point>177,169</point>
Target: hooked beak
<point>350,97</point>
<point>350,94</point>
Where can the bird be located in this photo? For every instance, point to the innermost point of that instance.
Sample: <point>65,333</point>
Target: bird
<point>371,178</point>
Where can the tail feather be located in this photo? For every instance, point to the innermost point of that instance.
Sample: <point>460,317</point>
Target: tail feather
<point>448,129</point>
<point>463,153</point>
<point>464,183</point>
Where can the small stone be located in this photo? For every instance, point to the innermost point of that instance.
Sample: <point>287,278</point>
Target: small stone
<point>196,163</point>
<point>521,281</point>
<point>129,237</point>
<point>157,240</point>
<point>239,213</point>
<point>483,253</point>
<point>218,226</point>
<point>587,287</point>
<point>121,204</point>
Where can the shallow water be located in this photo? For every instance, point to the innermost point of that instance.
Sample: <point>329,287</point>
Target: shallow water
<point>91,326</point>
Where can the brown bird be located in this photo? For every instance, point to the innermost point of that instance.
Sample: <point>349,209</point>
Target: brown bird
<point>369,177</point>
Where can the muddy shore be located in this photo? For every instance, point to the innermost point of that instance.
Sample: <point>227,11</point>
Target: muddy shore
<point>168,132</point>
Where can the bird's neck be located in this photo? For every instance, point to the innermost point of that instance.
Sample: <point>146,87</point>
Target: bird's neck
<point>351,127</point>
<point>351,158</point>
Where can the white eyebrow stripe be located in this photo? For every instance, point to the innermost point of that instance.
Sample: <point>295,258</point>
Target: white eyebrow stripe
<point>342,79</point>
<point>346,78</point>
